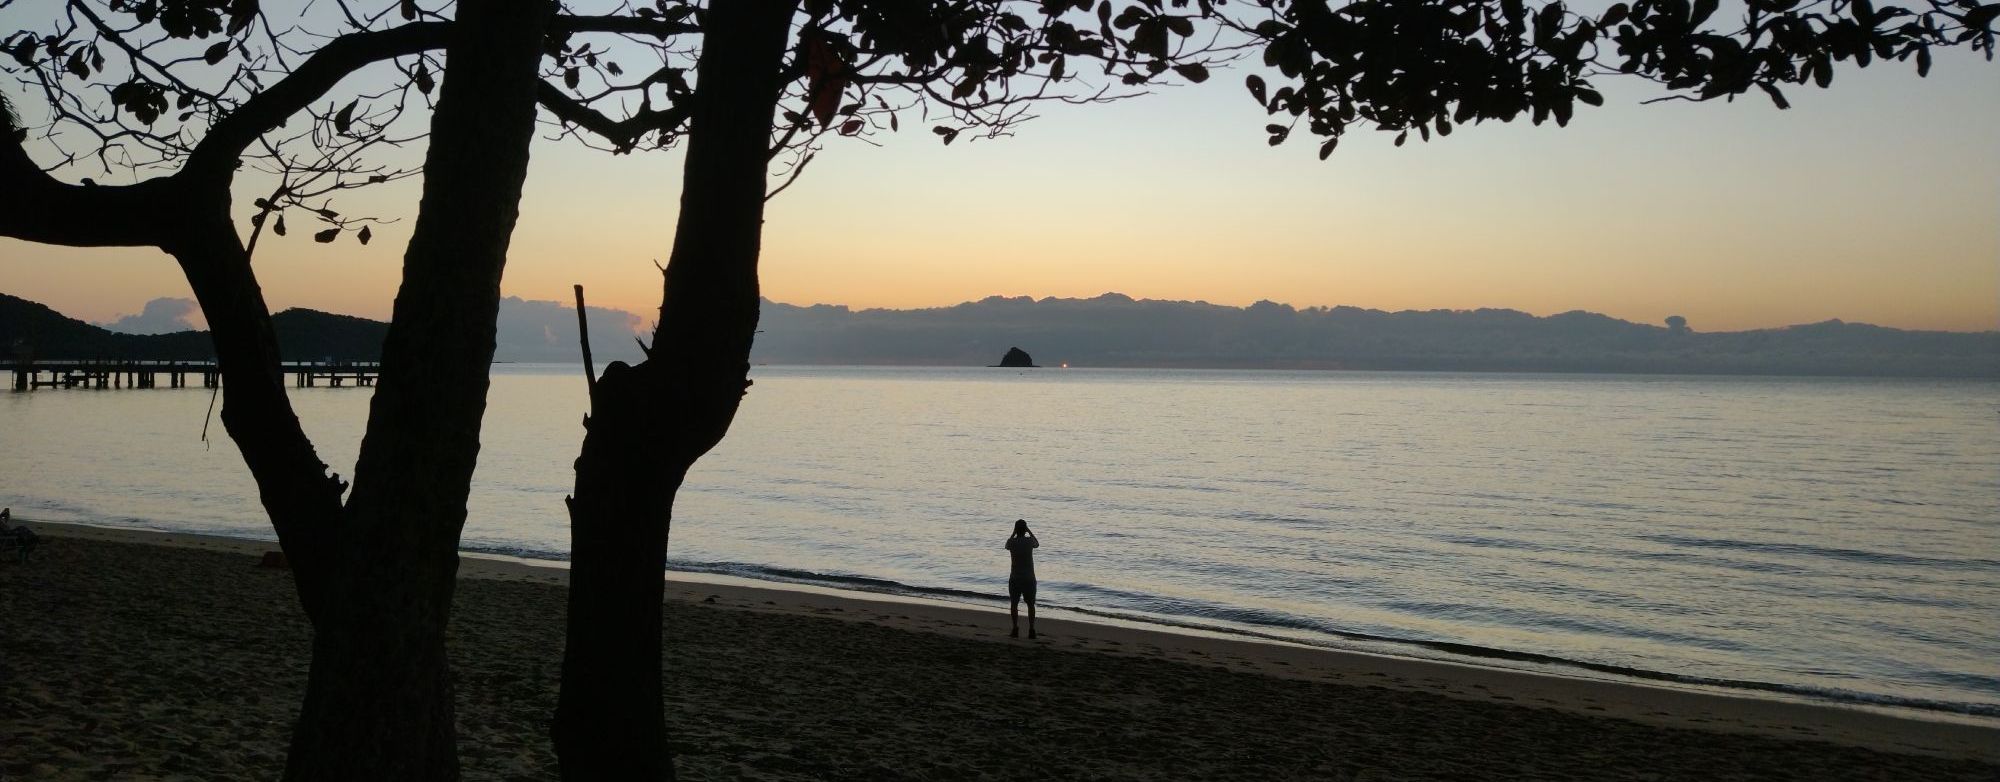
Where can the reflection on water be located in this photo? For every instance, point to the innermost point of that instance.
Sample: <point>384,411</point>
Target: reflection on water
<point>1826,535</point>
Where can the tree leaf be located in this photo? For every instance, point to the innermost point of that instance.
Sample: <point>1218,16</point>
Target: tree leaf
<point>1776,96</point>
<point>365,235</point>
<point>216,53</point>
<point>1256,86</point>
<point>852,127</point>
<point>327,235</point>
<point>1704,9</point>
<point>570,77</point>
<point>424,80</point>
<point>409,8</point>
<point>1194,72</point>
<point>345,118</point>
<point>279,227</point>
<point>241,14</point>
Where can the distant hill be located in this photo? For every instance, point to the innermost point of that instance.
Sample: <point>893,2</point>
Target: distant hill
<point>1113,330</point>
<point>303,335</point>
<point>527,331</point>
<point>1118,331</point>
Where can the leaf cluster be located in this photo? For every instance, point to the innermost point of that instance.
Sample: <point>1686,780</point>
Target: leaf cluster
<point>1427,66</point>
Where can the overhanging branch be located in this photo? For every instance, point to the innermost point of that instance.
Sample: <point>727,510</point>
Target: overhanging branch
<point>42,209</point>
<point>623,134</point>
<point>218,150</point>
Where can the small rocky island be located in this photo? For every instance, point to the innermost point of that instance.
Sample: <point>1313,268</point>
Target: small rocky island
<point>1016,357</point>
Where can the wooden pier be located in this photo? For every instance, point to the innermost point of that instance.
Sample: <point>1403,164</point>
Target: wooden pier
<point>29,376</point>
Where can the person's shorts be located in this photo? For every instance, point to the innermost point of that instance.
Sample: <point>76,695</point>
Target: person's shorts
<point>1019,589</point>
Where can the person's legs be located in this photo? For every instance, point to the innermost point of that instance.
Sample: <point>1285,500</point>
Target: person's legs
<point>1031,612</point>
<point>1014,612</point>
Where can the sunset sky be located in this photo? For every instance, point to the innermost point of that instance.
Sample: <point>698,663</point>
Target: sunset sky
<point>1875,201</point>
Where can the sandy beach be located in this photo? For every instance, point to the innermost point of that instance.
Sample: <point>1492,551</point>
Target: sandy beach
<point>135,655</point>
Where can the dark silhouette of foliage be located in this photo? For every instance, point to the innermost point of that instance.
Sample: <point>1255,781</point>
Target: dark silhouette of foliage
<point>1431,65</point>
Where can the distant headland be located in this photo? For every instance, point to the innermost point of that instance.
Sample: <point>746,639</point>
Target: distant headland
<point>1114,330</point>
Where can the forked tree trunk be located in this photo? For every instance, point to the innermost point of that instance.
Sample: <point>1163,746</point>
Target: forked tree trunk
<point>378,702</point>
<point>649,423</point>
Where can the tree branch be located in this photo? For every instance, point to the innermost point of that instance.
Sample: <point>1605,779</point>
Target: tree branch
<point>623,134</point>
<point>217,152</point>
<point>47,211</point>
<point>634,25</point>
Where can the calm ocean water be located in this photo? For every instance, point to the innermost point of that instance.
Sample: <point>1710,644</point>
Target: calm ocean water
<point>1824,537</point>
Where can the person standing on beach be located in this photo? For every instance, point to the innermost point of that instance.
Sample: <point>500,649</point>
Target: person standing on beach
<point>24,539</point>
<point>1021,580</point>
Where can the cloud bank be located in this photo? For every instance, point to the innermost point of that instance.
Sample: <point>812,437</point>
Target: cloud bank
<point>161,316</point>
<point>545,331</point>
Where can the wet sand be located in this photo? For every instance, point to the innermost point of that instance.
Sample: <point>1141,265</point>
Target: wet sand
<point>133,655</point>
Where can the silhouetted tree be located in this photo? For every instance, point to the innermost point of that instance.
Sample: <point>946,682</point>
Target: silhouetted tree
<point>374,573</point>
<point>1677,324</point>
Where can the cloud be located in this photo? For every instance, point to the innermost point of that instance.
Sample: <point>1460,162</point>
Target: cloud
<point>545,331</point>
<point>161,316</point>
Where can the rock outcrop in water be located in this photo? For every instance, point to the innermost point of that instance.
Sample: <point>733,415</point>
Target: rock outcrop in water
<point>1016,357</point>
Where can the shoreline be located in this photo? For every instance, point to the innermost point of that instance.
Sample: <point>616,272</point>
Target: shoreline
<point>1938,734</point>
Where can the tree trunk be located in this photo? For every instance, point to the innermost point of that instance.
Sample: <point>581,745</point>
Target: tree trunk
<point>649,423</point>
<point>378,703</point>
<point>302,500</point>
